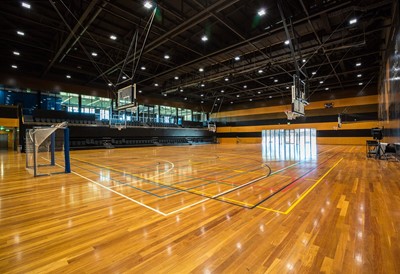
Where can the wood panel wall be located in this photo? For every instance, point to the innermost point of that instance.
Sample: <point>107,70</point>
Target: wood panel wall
<point>359,114</point>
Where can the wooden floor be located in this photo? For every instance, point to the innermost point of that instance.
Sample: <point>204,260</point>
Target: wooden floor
<point>202,209</point>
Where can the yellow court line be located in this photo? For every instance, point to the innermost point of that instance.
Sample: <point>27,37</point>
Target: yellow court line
<point>311,188</point>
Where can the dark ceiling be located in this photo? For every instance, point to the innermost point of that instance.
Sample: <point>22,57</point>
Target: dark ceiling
<point>60,37</point>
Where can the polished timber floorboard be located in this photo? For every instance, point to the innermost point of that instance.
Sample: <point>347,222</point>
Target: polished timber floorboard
<point>202,209</point>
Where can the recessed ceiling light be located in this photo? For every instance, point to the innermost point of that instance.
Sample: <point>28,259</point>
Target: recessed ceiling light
<point>68,76</point>
<point>20,33</point>
<point>314,72</point>
<point>166,56</point>
<point>176,77</point>
<point>276,81</point>
<point>353,21</point>
<point>143,68</point>
<point>14,66</point>
<point>155,84</point>
<point>359,75</point>
<point>237,58</point>
<point>124,77</point>
<point>260,71</point>
<point>287,42</point>
<point>358,64</point>
<point>26,5</point>
<point>245,86</point>
<point>201,69</point>
<point>238,96</point>
<point>94,54</point>
<point>204,38</point>
<point>113,37</point>
<point>321,82</point>
<point>16,53</point>
<point>148,5</point>
<point>261,12</point>
<point>360,84</point>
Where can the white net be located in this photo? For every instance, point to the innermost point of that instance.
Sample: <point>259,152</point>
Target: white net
<point>45,150</point>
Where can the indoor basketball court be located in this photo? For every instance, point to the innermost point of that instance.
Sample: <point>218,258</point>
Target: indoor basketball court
<point>220,136</point>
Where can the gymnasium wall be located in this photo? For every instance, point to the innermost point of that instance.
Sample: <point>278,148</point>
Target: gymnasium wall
<point>389,97</point>
<point>358,109</point>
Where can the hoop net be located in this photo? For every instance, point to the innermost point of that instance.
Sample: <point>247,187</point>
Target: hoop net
<point>291,115</point>
<point>212,127</point>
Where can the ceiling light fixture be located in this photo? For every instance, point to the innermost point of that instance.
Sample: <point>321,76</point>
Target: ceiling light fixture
<point>140,91</point>
<point>94,54</point>
<point>226,79</point>
<point>260,71</point>
<point>68,76</point>
<point>155,84</point>
<point>287,42</point>
<point>360,84</point>
<point>201,95</point>
<point>238,96</point>
<point>237,58</point>
<point>204,38</point>
<point>222,91</point>
<point>181,90</point>
<point>326,88</point>
<point>321,82</point>
<point>276,81</point>
<point>109,84</point>
<point>250,99</point>
<point>26,5</point>
<point>143,68</point>
<point>359,75</point>
<point>185,98</point>
<point>201,69</point>
<point>261,12</point>
<point>16,53</point>
<point>113,37</point>
<point>358,64</point>
<point>20,33</point>
<point>314,72</point>
<point>353,21</point>
<point>202,85</point>
<point>304,60</point>
<point>148,5</point>
<point>245,86</point>
<point>166,56</point>
<point>176,77</point>
<point>14,66</point>
<point>124,77</point>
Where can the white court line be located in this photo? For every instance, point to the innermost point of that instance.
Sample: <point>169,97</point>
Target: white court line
<point>185,207</point>
<point>120,194</point>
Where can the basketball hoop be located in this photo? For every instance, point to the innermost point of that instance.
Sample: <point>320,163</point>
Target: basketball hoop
<point>291,115</point>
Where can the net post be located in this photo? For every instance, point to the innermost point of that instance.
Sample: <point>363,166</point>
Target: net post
<point>66,151</point>
<point>34,158</point>
<point>53,148</point>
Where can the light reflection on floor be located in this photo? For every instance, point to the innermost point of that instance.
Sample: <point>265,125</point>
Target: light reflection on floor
<point>289,144</point>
